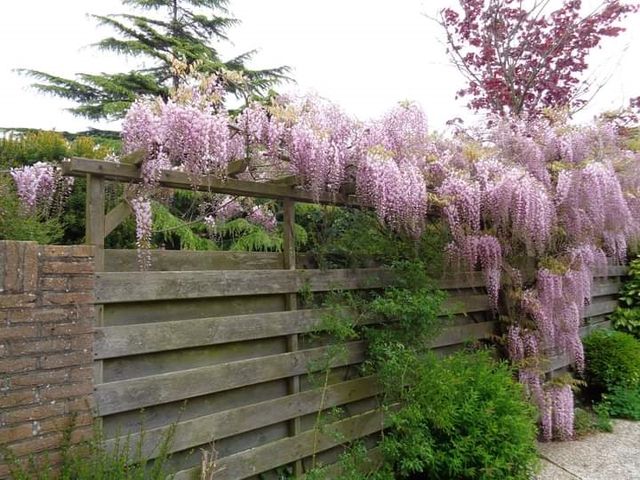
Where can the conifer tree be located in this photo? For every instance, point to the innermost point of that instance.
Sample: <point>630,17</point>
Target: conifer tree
<point>160,31</point>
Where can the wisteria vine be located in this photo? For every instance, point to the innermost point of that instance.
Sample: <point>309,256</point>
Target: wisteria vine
<point>516,195</point>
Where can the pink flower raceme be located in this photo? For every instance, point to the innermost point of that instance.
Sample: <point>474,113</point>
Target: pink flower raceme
<point>264,217</point>
<point>41,187</point>
<point>397,193</point>
<point>144,223</point>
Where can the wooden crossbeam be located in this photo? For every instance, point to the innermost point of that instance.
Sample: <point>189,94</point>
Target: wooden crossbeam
<point>122,172</point>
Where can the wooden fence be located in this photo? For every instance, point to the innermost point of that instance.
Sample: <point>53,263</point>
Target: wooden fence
<point>217,346</point>
<point>216,329</point>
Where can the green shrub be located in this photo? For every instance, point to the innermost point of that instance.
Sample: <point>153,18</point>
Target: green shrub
<point>587,421</point>
<point>623,403</point>
<point>466,418</point>
<point>626,317</point>
<point>612,360</point>
<point>627,320</point>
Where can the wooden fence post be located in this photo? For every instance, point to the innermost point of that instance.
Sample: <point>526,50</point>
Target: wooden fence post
<point>291,303</point>
<point>94,235</point>
<point>95,218</point>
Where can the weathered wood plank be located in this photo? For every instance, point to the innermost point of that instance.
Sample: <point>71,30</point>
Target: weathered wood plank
<point>600,308</point>
<point>186,260</point>
<point>95,218</point>
<point>611,287</point>
<point>171,310</point>
<point>291,303</point>
<point>114,287</point>
<point>219,425</point>
<point>125,340</point>
<point>123,172</point>
<point>611,271</point>
<point>158,336</point>
<point>460,280</point>
<point>267,457</point>
<point>457,304</point>
<point>463,333</point>
<point>115,217</point>
<point>136,393</point>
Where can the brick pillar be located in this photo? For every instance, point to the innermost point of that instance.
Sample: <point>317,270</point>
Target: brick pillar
<point>46,340</point>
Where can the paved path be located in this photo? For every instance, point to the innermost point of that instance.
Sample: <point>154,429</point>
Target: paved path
<point>603,456</point>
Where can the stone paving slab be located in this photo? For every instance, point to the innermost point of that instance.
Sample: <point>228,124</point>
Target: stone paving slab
<point>603,456</point>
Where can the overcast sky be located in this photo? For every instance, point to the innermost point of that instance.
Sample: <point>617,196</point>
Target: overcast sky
<point>363,54</point>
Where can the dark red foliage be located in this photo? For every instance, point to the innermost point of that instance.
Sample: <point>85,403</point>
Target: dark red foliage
<point>520,60</point>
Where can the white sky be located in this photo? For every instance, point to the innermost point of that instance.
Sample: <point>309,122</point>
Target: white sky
<point>363,54</point>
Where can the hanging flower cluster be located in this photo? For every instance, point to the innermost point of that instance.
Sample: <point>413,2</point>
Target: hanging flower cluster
<point>516,195</point>
<point>554,195</point>
<point>41,188</point>
<point>141,207</point>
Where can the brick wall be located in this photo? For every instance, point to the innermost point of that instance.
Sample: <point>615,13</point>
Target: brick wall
<point>46,338</point>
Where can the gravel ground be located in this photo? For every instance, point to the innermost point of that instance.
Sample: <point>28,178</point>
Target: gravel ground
<point>603,456</point>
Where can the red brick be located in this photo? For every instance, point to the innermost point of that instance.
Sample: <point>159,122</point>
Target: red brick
<point>62,423</point>
<point>82,374</point>
<point>56,314</point>
<point>56,284</point>
<point>30,267</point>
<point>12,268</point>
<point>34,413</point>
<point>71,298</point>
<point>82,434</point>
<point>55,392</point>
<point>60,360</point>
<point>17,398</point>
<point>40,346</point>
<point>21,316</point>
<point>18,300</point>
<point>82,283</point>
<point>21,331</point>
<point>82,342</point>
<point>85,404</point>
<point>33,379</point>
<point>73,328</point>
<point>36,445</point>
<point>16,433</point>
<point>68,251</point>
<point>50,460</point>
<point>67,267</point>
<point>11,365</point>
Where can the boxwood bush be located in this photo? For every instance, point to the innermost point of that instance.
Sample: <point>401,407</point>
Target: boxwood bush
<point>612,360</point>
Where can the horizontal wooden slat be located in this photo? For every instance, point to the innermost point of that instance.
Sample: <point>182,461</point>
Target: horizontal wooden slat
<point>124,172</point>
<point>457,304</point>
<point>136,393</point>
<point>600,308</point>
<point>125,340</point>
<point>611,271</point>
<point>606,288</point>
<point>459,280</point>
<point>272,455</point>
<point>114,287</point>
<point>185,260</point>
<point>158,336</point>
<point>463,333</point>
<point>219,425</point>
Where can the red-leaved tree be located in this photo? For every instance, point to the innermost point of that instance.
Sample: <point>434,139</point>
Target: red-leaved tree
<point>521,59</point>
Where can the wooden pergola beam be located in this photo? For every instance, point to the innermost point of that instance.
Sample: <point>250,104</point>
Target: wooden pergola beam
<point>123,172</point>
